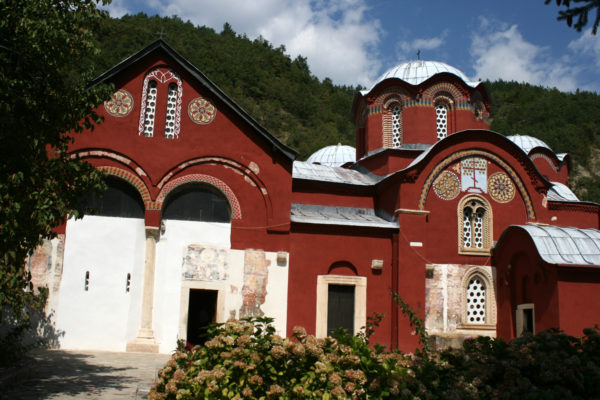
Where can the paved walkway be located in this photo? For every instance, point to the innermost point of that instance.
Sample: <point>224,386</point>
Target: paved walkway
<point>60,374</point>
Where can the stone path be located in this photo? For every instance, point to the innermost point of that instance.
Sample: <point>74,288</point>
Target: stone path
<point>60,374</point>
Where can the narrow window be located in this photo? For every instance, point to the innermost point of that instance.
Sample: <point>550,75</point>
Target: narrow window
<point>86,283</point>
<point>340,308</point>
<point>396,127</point>
<point>525,319</point>
<point>441,119</point>
<point>128,283</point>
<point>473,229</point>
<point>171,109</point>
<point>150,111</point>
<point>476,301</point>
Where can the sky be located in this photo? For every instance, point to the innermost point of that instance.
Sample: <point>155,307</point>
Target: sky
<point>354,42</point>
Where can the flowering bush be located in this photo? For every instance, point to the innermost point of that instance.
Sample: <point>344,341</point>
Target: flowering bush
<point>247,360</point>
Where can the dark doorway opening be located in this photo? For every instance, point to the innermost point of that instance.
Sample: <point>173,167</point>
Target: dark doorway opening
<point>202,310</point>
<point>340,308</point>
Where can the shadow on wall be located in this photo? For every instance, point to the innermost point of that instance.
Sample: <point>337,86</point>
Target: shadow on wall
<point>18,337</point>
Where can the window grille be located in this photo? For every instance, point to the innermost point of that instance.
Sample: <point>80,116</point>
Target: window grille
<point>396,127</point>
<point>474,225</point>
<point>441,112</point>
<point>476,301</point>
<point>478,228</point>
<point>468,214</point>
<point>171,108</point>
<point>150,109</point>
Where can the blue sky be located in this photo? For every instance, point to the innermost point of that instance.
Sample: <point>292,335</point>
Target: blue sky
<point>355,41</point>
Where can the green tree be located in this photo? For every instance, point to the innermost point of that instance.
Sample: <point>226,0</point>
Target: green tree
<point>45,48</point>
<point>581,13</point>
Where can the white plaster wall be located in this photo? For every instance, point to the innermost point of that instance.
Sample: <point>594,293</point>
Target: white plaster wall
<point>170,251</point>
<point>105,317</point>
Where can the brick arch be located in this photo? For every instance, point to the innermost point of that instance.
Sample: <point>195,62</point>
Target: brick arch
<point>133,180</point>
<point>433,90</point>
<point>101,153</point>
<point>377,106</point>
<point>234,204</point>
<point>250,174</point>
<point>470,153</point>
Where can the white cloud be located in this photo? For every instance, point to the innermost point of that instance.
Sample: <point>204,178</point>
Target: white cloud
<point>501,52</point>
<point>117,8</point>
<point>335,36</point>
<point>423,44</point>
<point>588,45</point>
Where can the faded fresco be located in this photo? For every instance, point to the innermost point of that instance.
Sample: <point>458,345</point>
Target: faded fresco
<point>254,291</point>
<point>202,263</point>
<point>46,264</point>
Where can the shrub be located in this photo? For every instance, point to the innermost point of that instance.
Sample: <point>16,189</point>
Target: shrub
<point>246,359</point>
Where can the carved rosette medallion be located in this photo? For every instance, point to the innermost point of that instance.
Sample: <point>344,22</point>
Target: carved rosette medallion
<point>201,111</point>
<point>501,188</point>
<point>447,185</point>
<point>120,105</point>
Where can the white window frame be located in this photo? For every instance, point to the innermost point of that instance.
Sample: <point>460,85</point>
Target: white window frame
<point>519,317</point>
<point>185,302</point>
<point>360,300</point>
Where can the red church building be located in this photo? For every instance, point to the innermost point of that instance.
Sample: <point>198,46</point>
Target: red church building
<point>208,217</point>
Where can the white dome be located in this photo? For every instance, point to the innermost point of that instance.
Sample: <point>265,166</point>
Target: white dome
<point>416,72</point>
<point>528,142</point>
<point>333,156</point>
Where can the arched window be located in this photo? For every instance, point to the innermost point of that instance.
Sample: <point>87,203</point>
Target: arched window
<point>119,200</point>
<point>197,203</point>
<point>150,111</point>
<point>476,300</point>
<point>171,109</point>
<point>474,225</point>
<point>157,82</point>
<point>392,123</point>
<point>396,126</point>
<point>442,116</point>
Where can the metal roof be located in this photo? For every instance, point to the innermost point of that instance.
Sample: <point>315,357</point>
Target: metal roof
<point>570,246</point>
<point>333,156</point>
<point>418,71</point>
<point>328,215</point>
<point>324,173</point>
<point>528,142</point>
<point>560,192</point>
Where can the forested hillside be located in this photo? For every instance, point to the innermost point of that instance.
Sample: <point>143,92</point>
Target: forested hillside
<point>307,114</point>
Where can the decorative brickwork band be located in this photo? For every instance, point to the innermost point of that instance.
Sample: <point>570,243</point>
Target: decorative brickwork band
<point>132,179</point>
<point>234,204</point>
<point>476,153</point>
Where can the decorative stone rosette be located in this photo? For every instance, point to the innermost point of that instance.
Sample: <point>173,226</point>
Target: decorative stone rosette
<point>120,105</point>
<point>447,185</point>
<point>501,188</point>
<point>201,111</point>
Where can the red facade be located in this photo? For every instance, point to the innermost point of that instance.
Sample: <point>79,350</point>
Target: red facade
<point>437,188</point>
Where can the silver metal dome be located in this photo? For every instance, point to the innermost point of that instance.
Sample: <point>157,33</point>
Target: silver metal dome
<point>333,156</point>
<point>528,142</point>
<point>416,72</point>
